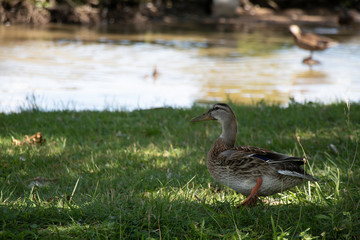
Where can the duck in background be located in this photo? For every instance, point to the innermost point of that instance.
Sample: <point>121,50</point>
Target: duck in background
<point>311,42</point>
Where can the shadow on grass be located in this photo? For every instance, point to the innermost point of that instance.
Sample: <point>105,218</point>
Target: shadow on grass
<point>139,216</point>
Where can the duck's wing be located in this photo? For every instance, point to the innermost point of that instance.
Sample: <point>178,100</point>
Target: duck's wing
<point>260,160</point>
<point>317,41</point>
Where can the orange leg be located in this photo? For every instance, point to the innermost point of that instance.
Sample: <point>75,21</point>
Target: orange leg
<point>253,197</point>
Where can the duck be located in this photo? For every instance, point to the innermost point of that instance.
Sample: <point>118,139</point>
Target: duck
<point>250,171</point>
<point>310,41</point>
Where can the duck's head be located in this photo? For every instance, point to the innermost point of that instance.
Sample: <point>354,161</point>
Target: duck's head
<point>219,111</point>
<point>295,30</point>
<point>225,115</point>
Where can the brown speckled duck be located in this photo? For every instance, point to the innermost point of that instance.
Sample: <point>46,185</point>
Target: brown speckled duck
<point>309,41</point>
<point>251,171</point>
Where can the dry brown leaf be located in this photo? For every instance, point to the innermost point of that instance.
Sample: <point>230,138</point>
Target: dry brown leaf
<point>37,138</point>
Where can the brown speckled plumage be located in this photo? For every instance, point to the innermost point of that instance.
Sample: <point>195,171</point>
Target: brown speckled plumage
<point>251,171</point>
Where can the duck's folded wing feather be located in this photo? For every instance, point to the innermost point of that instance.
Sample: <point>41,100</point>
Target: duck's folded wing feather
<point>270,156</point>
<point>315,40</point>
<point>247,158</point>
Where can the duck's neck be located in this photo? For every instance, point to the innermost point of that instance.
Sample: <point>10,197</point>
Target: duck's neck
<point>229,132</point>
<point>225,142</point>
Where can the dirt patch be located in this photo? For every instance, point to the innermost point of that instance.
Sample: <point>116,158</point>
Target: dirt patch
<point>20,12</point>
<point>75,15</point>
<point>283,18</point>
<point>24,12</point>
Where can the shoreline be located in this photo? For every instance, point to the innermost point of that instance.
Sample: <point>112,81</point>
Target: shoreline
<point>26,13</point>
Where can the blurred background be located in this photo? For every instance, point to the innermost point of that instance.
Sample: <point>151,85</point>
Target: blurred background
<point>131,54</point>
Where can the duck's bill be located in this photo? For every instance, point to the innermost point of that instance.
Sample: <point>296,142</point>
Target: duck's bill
<point>203,117</point>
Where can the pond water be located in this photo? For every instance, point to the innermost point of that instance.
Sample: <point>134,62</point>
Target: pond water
<point>71,67</point>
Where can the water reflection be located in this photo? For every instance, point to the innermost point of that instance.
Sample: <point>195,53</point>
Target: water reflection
<point>311,77</point>
<point>81,68</point>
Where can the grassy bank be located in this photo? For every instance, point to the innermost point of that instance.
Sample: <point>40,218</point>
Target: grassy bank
<point>142,174</point>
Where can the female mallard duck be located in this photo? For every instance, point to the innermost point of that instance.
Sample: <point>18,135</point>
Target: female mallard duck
<point>309,41</point>
<point>251,171</point>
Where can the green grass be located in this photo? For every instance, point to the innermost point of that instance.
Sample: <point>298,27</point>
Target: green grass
<point>142,175</point>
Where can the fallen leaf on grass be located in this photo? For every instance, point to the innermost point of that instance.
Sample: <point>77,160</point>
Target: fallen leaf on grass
<point>37,138</point>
